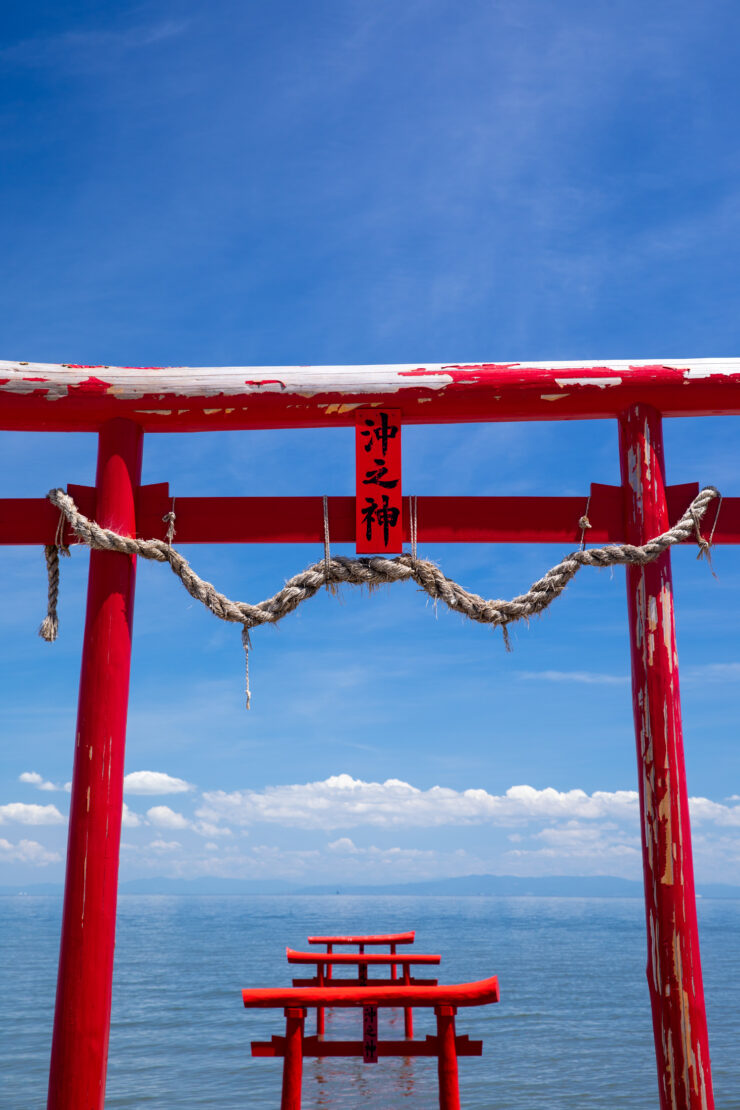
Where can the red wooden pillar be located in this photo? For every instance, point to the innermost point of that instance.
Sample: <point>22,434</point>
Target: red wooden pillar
<point>673,964</point>
<point>408,1013</point>
<point>293,1059</point>
<point>449,1090</point>
<point>79,1052</point>
<point>320,975</point>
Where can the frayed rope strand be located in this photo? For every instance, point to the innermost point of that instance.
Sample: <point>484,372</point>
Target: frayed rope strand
<point>375,571</point>
<point>49,626</point>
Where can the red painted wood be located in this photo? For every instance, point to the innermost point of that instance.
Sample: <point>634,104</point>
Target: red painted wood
<point>449,1090</point>
<point>370,938</point>
<point>82,1016</point>
<point>314,1047</point>
<point>359,958</point>
<point>674,966</point>
<point>300,519</point>
<point>320,982</point>
<point>370,1034</point>
<point>293,1059</point>
<point>456,393</point>
<point>378,490</point>
<point>480,993</point>
<point>350,981</point>
<point>408,1013</point>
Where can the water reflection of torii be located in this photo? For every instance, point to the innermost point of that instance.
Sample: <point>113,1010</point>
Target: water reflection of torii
<point>121,404</point>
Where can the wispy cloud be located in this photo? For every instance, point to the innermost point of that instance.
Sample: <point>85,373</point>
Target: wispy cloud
<point>92,49</point>
<point>588,678</point>
<point>711,672</point>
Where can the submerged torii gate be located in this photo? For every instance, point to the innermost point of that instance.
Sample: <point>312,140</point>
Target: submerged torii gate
<point>121,404</point>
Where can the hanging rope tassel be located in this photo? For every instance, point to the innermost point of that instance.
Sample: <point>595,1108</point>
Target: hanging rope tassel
<point>247,643</point>
<point>49,626</point>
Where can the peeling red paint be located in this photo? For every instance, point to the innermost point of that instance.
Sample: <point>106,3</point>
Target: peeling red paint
<point>175,398</point>
<point>673,966</point>
<point>91,385</point>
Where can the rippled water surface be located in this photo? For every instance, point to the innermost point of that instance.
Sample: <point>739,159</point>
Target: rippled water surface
<point>572,1027</point>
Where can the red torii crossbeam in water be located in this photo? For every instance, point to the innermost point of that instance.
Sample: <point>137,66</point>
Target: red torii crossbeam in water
<point>122,403</point>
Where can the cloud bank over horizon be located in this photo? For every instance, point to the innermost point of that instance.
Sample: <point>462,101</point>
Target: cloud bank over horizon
<point>392,831</point>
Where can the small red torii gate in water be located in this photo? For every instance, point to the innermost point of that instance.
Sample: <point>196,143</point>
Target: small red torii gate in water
<point>120,404</point>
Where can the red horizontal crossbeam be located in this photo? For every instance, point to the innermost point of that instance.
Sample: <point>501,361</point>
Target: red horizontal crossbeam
<point>301,520</point>
<point>371,938</point>
<point>356,958</point>
<point>315,1046</point>
<point>481,993</point>
<point>47,397</point>
<point>413,981</point>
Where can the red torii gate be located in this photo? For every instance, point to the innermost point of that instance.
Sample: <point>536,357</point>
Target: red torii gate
<point>392,940</point>
<point>446,1045</point>
<point>121,404</point>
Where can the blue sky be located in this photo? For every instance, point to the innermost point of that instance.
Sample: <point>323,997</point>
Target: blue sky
<point>370,182</point>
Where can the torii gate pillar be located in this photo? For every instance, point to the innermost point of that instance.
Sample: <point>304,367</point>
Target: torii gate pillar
<point>79,1052</point>
<point>673,964</point>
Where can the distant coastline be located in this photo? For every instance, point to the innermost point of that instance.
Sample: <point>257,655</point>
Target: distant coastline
<point>503,886</point>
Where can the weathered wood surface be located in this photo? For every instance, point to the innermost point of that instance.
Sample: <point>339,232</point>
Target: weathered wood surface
<point>673,962</point>
<point>37,396</point>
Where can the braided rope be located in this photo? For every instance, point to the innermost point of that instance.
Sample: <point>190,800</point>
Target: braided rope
<point>50,624</point>
<point>374,571</point>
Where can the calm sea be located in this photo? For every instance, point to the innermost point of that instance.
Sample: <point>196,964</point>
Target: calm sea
<point>572,1027</point>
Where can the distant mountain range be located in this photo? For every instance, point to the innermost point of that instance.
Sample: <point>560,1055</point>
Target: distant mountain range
<point>502,886</point>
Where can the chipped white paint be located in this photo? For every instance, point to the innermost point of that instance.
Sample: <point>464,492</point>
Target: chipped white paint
<point>133,383</point>
<point>673,966</point>
<point>601,383</point>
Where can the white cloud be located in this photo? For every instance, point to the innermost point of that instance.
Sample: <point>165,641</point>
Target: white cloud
<point>343,845</point>
<point>165,818</point>
<point>129,820</point>
<point>154,782</point>
<point>33,778</point>
<point>343,802</point>
<point>206,828</point>
<point>703,810</point>
<point>165,845</point>
<point>27,851</point>
<point>578,848</point>
<point>24,814</point>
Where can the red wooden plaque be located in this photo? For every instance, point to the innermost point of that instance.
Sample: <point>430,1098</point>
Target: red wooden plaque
<point>379,510</point>
<point>370,1034</point>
